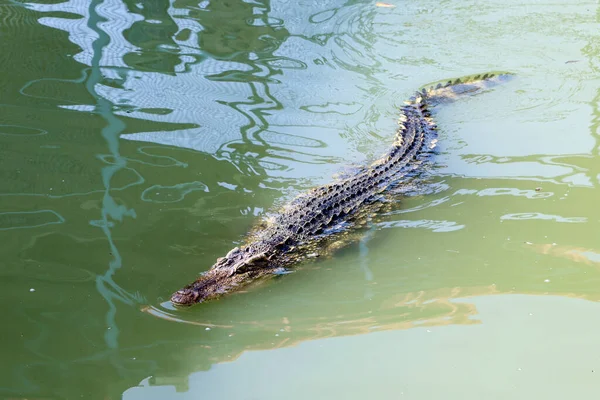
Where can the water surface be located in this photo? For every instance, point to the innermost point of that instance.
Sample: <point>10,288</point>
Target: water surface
<point>142,140</point>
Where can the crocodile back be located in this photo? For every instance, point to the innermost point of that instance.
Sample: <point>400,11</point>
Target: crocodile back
<point>325,207</point>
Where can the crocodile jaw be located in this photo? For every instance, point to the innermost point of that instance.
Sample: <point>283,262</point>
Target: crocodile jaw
<point>185,297</point>
<point>229,273</point>
<point>210,285</point>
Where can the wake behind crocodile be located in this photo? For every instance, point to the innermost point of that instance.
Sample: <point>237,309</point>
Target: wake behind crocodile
<point>313,218</point>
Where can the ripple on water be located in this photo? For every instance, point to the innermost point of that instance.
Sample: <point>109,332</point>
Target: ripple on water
<point>18,130</point>
<point>335,108</point>
<point>16,17</point>
<point>434,226</point>
<point>530,194</point>
<point>169,312</point>
<point>54,272</point>
<point>549,217</point>
<point>286,63</point>
<point>171,194</point>
<point>29,219</point>
<point>322,16</point>
<point>289,139</point>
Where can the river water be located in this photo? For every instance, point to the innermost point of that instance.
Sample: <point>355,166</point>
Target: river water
<point>139,141</point>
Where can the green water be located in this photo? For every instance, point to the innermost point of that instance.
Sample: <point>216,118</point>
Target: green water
<point>139,141</point>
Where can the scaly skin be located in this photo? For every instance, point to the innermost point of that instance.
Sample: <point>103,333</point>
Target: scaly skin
<point>312,218</point>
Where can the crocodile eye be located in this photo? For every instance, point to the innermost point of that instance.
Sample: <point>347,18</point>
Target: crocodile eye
<point>233,252</point>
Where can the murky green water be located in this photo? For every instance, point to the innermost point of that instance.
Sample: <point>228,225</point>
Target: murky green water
<point>139,141</point>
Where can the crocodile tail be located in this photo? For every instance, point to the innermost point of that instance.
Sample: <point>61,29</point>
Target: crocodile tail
<point>448,91</point>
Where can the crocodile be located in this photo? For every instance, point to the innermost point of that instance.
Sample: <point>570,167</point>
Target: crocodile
<point>308,221</point>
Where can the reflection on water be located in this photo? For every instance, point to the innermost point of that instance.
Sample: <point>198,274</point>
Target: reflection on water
<point>471,362</point>
<point>141,140</point>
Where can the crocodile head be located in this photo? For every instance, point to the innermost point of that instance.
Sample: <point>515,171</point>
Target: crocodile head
<point>237,268</point>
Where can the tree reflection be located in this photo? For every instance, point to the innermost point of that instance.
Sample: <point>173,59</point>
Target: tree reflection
<point>231,44</point>
<point>153,35</point>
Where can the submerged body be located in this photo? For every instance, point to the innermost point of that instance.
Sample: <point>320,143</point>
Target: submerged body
<point>314,216</point>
